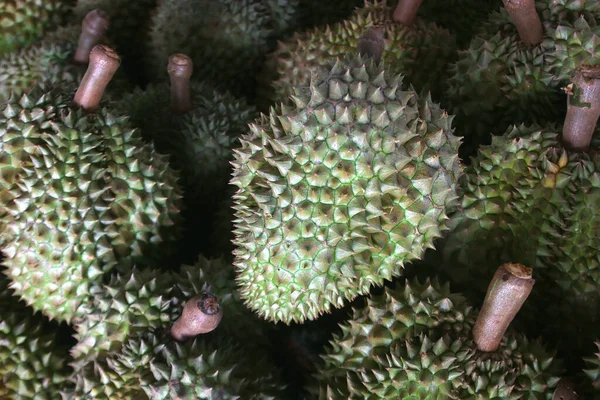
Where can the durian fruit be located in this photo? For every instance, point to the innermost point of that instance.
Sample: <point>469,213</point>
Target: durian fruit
<point>593,369</point>
<point>460,17</point>
<point>25,21</point>
<point>417,49</point>
<point>33,362</point>
<point>337,191</point>
<point>197,126</point>
<point>515,69</point>
<point>532,196</point>
<point>226,39</point>
<point>129,29</point>
<point>59,58</point>
<point>419,341</point>
<point>80,193</point>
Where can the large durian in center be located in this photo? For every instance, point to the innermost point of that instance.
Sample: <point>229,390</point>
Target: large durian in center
<point>338,191</point>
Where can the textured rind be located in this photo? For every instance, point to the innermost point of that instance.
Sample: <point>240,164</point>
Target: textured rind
<point>32,361</point>
<point>25,21</point>
<point>336,193</point>
<point>424,350</point>
<point>592,369</point>
<point>498,81</point>
<point>226,39</point>
<point>422,52</point>
<point>80,194</point>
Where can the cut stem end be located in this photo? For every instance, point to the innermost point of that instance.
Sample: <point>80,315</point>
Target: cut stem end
<point>93,28</point>
<point>526,19</point>
<point>583,108</point>
<point>201,314</point>
<point>406,11</point>
<point>180,68</point>
<point>507,292</point>
<point>104,62</point>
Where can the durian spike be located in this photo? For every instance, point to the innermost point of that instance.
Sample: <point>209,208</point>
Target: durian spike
<point>507,292</point>
<point>201,314</point>
<point>104,62</point>
<point>372,43</point>
<point>526,19</point>
<point>406,11</point>
<point>583,108</point>
<point>93,28</point>
<point>180,68</point>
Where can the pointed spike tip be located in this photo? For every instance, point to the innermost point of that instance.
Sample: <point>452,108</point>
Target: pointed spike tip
<point>372,43</point>
<point>93,28</point>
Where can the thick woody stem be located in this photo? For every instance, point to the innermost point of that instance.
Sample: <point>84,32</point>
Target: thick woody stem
<point>406,11</point>
<point>104,62</point>
<point>93,28</point>
<point>526,19</point>
<point>201,314</point>
<point>507,292</point>
<point>583,108</point>
<point>372,43</point>
<point>180,70</point>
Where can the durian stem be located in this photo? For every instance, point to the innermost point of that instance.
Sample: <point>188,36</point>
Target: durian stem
<point>372,43</point>
<point>104,62</point>
<point>583,108</point>
<point>406,11</point>
<point>526,19</point>
<point>507,292</point>
<point>180,70</point>
<point>93,28</point>
<point>201,314</point>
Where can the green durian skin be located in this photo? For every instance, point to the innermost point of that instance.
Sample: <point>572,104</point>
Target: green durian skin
<point>99,196</point>
<point>336,192</point>
<point>25,21</point>
<point>422,52</point>
<point>592,370</point>
<point>33,361</point>
<point>415,341</point>
<point>498,81</point>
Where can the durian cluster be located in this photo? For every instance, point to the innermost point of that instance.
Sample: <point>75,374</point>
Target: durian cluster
<point>299,199</point>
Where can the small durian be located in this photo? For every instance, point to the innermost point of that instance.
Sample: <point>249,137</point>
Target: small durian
<point>33,361</point>
<point>337,191</point>
<point>226,39</point>
<point>533,196</point>
<point>515,69</point>
<point>60,58</point>
<point>419,50</point>
<point>423,342</point>
<point>80,193</point>
<point>25,21</point>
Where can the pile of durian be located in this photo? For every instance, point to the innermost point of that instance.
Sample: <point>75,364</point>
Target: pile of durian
<point>299,199</point>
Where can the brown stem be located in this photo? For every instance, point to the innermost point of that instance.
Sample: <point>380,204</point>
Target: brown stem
<point>104,62</point>
<point>201,314</point>
<point>180,70</point>
<point>406,11</point>
<point>526,19</point>
<point>93,28</point>
<point>508,290</point>
<point>583,108</point>
<point>372,43</point>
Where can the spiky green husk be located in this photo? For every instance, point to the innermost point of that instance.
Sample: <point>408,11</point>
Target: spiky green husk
<point>460,17</point>
<point>593,368</point>
<point>415,342</point>
<point>226,39</point>
<point>422,52</point>
<point>498,81</point>
<point>336,193</point>
<point>25,21</point>
<point>128,29</point>
<point>33,363</point>
<point>80,194</point>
